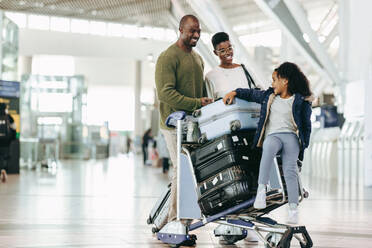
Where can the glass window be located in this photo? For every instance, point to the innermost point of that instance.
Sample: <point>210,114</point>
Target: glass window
<point>170,35</point>
<point>158,33</point>
<point>18,18</point>
<point>62,102</point>
<point>146,32</point>
<point>60,24</point>
<point>79,26</point>
<point>130,31</point>
<point>38,22</point>
<point>114,29</point>
<point>270,39</point>
<point>98,28</point>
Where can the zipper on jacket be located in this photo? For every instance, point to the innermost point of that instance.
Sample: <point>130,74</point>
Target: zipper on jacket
<point>294,122</point>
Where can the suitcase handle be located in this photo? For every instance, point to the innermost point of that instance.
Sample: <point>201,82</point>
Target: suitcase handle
<point>217,197</point>
<point>202,157</point>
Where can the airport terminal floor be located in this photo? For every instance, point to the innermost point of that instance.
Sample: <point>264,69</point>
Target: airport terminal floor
<point>105,203</point>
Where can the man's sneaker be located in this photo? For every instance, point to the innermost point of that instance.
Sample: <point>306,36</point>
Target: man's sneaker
<point>292,214</point>
<point>260,201</point>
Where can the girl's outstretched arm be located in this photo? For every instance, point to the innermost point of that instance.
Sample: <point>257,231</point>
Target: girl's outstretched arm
<point>250,95</point>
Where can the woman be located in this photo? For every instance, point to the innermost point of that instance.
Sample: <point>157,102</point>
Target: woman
<point>227,76</point>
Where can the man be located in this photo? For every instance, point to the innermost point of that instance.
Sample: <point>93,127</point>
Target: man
<point>180,86</point>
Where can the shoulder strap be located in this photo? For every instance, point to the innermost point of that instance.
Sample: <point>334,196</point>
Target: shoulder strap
<point>249,78</point>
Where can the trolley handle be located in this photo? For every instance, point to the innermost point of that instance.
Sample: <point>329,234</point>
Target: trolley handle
<point>172,119</point>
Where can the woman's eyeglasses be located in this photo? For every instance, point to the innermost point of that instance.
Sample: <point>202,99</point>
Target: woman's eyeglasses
<point>224,51</point>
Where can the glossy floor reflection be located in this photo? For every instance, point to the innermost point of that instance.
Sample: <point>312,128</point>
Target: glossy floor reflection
<point>105,204</point>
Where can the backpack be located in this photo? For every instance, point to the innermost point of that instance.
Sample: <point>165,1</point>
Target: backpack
<point>5,132</point>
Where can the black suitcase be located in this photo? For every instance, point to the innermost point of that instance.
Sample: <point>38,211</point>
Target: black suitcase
<point>221,179</point>
<point>225,197</point>
<point>239,140</point>
<point>245,158</point>
<point>226,189</point>
<point>159,213</point>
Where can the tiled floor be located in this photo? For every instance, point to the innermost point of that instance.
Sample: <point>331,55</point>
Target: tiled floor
<point>105,204</point>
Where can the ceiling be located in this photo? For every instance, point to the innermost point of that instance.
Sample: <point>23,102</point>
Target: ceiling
<point>244,16</point>
<point>147,12</point>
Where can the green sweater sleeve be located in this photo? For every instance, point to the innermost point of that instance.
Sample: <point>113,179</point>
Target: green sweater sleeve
<point>165,79</point>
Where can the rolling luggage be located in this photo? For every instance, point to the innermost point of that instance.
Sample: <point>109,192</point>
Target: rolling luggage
<point>239,140</point>
<point>224,152</point>
<point>159,213</point>
<point>226,189</point>
<point>217,119</point>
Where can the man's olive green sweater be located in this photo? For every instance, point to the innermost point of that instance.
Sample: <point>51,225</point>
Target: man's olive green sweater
<point>179,82</point>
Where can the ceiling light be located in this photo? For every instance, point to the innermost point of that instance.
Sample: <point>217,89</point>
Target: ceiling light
<point>21,2</point>
<point>306,38</point>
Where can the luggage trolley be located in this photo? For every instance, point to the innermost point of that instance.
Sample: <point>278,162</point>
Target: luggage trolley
<point>236,221</point>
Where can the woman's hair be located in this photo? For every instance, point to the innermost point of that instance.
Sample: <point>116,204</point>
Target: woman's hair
<point>218,38</point>
<point>297,81</point>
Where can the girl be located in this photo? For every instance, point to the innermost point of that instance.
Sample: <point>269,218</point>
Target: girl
<point>227,76</point>
<point>284,126</point>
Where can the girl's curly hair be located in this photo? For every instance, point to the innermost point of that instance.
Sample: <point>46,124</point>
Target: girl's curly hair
<point>297,81</point>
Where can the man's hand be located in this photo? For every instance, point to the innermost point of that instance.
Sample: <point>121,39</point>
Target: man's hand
<point>229,97</point>
<point>206,101</point>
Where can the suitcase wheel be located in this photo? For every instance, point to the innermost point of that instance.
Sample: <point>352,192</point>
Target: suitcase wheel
<point>202,139</point>
<point>149,221</point>
<point>235,126</point>
<point>196,113</point>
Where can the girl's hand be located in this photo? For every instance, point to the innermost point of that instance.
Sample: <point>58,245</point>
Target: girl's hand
<point>229,97</point>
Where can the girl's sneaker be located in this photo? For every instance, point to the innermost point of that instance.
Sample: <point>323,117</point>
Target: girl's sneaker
<point>260,201</point>
<point>292,214</point>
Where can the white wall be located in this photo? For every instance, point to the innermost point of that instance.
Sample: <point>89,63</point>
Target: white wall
<point>105,71</point>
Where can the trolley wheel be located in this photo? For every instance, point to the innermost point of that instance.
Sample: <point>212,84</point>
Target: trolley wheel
<point>232,239</point>
<point>190,242</point>
<point>273,239</point>
<point>154,230</point>
<point>148,221</point>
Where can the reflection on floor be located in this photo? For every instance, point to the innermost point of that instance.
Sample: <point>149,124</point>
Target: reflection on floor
<point>105,204</point>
